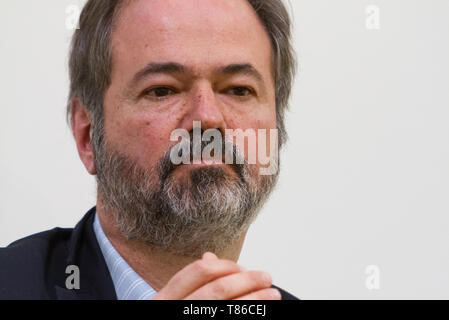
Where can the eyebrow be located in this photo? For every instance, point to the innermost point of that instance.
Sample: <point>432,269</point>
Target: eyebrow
<point>155,68</point>
<point>245,68</point>
<point>176,68</point>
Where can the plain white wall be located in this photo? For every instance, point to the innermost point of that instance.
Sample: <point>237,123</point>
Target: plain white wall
<point>365,176</point>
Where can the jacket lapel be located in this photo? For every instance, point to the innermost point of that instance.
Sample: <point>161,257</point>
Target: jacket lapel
<point>84,252</point>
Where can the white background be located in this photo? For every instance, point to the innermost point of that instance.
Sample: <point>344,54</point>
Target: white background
<point>365,176</point>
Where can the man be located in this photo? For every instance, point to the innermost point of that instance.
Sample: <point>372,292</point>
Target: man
<point>140,70</point>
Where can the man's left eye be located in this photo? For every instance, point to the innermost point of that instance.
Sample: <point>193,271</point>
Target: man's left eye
<point>160,92</point>
<point>241,91</point>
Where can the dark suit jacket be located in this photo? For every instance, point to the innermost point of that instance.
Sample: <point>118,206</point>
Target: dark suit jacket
<point>35,267</point>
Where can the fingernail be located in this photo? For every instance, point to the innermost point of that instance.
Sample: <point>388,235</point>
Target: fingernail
<point>209,256</point>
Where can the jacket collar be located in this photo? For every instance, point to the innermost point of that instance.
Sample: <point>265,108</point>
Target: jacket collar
<point>84,252</point>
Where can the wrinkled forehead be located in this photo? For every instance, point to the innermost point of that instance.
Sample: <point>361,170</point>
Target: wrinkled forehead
<point>198,33</point>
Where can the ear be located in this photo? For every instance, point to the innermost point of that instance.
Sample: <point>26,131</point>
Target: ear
<point>81,126</point>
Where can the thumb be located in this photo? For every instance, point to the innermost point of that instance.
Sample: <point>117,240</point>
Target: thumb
<point>209,256</point>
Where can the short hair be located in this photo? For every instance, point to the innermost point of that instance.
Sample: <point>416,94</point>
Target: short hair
<point>90,61</point>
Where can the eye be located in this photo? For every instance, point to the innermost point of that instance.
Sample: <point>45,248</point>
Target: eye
<point>159,92</point>
<point>241,91</point>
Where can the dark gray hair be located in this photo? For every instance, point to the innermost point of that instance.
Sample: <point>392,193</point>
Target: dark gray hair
<point>90,62</point>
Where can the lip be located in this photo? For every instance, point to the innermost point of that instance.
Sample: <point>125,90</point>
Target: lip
<point>206,164</point>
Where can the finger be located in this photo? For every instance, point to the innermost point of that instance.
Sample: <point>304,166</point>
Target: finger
<point>232,286</point>
<point>264,294</point>
<point>209,256</point>
<point>196,275</point>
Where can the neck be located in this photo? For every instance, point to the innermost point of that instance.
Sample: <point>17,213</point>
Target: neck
<point>155,266</point>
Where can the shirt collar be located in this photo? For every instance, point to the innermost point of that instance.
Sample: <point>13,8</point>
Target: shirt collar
<point>128,284</point>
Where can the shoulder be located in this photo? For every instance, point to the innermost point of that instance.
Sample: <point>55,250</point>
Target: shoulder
<point>26,264</point>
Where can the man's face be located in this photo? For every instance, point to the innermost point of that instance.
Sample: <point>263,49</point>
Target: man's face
<point>176,62</point>
<point>203,37</point>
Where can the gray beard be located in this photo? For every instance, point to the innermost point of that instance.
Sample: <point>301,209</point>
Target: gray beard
<point>208,212</point>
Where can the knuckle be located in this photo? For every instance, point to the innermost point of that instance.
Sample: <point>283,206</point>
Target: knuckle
<point>220,289</point>
<point>273,294</point>
<point>208,268</point>
<point>261,279</point>
<point>202,267</point>
<point>269,294</point>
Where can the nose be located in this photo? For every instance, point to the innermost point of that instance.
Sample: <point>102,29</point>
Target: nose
<point>204,107</point>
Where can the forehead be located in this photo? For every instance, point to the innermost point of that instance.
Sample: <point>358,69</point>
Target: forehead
<point>199,33</point>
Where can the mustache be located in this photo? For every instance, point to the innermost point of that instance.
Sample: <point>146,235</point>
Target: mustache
<point>239,165</point>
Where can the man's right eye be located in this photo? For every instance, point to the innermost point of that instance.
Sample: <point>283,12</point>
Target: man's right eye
<point>159,92</point>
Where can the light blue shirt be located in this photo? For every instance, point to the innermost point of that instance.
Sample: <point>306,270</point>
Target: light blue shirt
<point>128,284</point>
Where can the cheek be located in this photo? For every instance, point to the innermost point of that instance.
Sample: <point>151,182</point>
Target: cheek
<point>144,138</point>
<point>262,116</point>
<point>261,123</point>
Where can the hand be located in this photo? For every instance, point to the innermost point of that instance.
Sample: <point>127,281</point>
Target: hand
<point>217,279</point>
